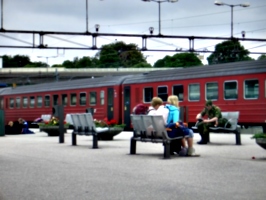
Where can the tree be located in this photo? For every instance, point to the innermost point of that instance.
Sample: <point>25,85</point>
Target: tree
<point>37,64</point>
<point>142,65</point>
<point>84,62</point>
<point>261,57</point>
<point>16,61</point>
<point>229,51</point>
<point>68,64</point>
<point>179,60</point>
<point>119,54</point>
<point>57,66</point>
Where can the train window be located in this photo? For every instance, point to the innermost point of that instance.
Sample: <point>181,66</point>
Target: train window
<point>102,97</point>
<point>55,99</point>
<point>162,92</point>
<point>25,102</point>
<point>230,90</point>
<point>148,94</point>
<point>92,98</point>
<point>39,101</point>
<point>82,99</point>
<point>211,91</point>
<point>18,101</point>
<point>73,99</point>
<point>47,101</point>
<point>11,103</point>
<point>251,90</point>
<point>32,102</point>
<point>178,90</point>
<point>194,92</point>
<point>64,99</point>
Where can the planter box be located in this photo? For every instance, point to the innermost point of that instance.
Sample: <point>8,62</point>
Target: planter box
<point>52,130</point>
<point>113,131</point>
<point>261,142</point>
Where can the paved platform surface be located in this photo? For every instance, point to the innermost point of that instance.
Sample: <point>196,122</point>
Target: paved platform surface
<point>38,167</point>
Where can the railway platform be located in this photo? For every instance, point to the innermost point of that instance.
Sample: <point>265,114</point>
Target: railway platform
<point>36,166</point>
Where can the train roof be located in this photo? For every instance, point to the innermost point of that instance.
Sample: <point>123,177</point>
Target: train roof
<point>228,69</point>
<point>66,85</point>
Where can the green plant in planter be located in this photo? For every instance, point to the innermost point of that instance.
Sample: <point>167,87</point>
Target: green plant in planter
<point>260,139</point>
<point>52,123</point>
<point>258,135</point>
<point>114,128</point>
<point>108,123</point>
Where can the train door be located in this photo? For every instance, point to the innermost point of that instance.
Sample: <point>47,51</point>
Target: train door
<point>127,106</point>
<point>110,103</point>
<point>1,103</point>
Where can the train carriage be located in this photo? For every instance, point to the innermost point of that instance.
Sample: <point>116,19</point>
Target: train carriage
<point>30,102</point>
<point>239,86</point>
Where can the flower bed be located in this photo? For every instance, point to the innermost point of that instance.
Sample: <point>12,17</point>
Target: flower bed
<point>114,128</point>
<point>261,142</point>
<point>52,130</point>
<point>51,127</point>
<point>260,139</point>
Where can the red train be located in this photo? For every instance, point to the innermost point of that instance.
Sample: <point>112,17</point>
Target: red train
<point>239,86</point>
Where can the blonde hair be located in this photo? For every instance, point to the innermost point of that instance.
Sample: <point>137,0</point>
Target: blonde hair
<point>173,100</point>
<point>10,123</point>
<point>156,101</point>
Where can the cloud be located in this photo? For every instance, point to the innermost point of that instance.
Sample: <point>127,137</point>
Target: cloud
<point>186,17</point>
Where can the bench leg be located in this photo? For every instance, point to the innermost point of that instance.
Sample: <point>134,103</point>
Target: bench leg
<point>208,137</point>
<point>238,138</point>
<point>94,141</point>
<point>166,153</point>
<point>133,144</point>
<point>74,139</point>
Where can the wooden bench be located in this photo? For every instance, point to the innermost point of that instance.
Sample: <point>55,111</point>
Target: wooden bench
<point>83,124</point>
<point>232,118</point>
<point>148,128</point>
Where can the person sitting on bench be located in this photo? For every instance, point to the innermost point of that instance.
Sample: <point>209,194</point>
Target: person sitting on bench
<point>214,119</point>
<point>170,113</point>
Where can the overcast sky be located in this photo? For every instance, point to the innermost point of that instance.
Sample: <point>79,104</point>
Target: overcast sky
<point>185,17</point>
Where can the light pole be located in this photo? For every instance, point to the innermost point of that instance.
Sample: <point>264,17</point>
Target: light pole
<point>219,3</point>
<point>159,4</point>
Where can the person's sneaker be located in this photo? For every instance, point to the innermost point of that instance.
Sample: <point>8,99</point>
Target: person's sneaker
<point>191,152</point>
<point>183,152</point>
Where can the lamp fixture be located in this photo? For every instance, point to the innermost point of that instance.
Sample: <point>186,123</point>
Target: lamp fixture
<point>97,26</point>
<point>151,29</point>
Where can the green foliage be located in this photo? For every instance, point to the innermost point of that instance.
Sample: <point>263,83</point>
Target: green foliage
<point>229,51</point>
<point>109,58</point>
<point>68,64</point>
<point>261,57</point>
<point>179,60</point>
<point>119,54</point>
<point>57,66</point>
<point>84,62</point>
<point>36,64</point>
<point>142,65</point>
<point>258,135</point>
<point>16,61</point>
